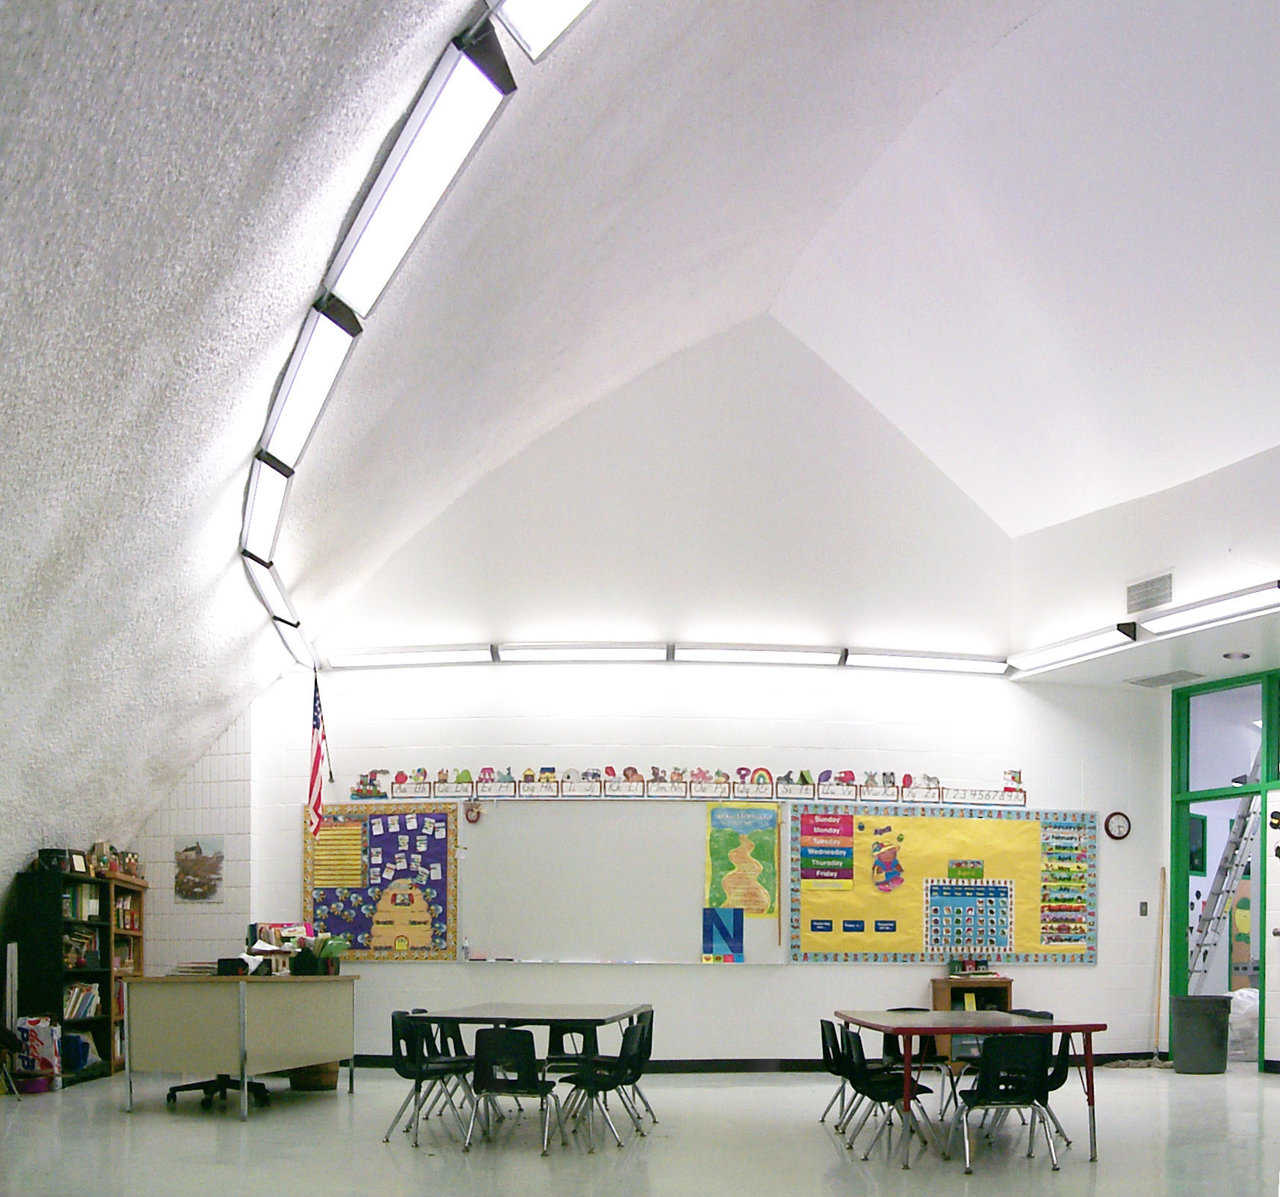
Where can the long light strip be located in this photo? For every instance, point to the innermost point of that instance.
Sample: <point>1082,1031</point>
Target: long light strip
<point>264,505</point>
<point>1079,648</point>
<point>747,654</point>
<point>327,335</point>
<point>446,123</point>
<point>294,641</point>
<point>270,589</point>
<point>866,659</point>
<point>582,652</point>
<point>1240,603</point>
<point>537,25</point>
<point>378,658</point>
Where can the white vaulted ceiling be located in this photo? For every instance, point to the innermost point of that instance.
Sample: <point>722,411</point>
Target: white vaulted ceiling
<point>770,320</point>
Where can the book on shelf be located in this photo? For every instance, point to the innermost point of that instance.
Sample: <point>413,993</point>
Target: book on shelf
<point>81,1001</point>
<point>81,902</point>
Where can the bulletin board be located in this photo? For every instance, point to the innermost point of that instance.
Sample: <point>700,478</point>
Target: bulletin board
<point>912,884</point>
<point>384,876</point>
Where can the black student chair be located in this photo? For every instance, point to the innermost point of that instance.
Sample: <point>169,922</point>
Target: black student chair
<point>507,1065</point>
<point>1012,1072</point>
<point>882,1089</point>
<point>602,1075</point>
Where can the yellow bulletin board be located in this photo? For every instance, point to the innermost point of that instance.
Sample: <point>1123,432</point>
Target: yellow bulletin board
<point>910,884</point>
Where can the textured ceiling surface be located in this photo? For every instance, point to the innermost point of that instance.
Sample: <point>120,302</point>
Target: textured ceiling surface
<point>175,179</point>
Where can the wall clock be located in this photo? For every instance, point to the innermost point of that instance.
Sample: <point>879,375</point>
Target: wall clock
<point>1117,825</point>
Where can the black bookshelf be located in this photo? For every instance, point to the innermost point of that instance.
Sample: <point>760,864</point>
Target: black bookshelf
<point>73,949</point>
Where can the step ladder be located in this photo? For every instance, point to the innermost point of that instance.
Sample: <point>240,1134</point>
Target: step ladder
<point>1215,917</point>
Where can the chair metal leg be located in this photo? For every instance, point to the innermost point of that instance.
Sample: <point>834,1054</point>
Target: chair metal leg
<point>1031,1135</point>
<point>1056,1124</point>
<point>403,1106</point>
<point>855,1104</point>
<point>884,1126</point>
<point>933,1134</point>
<point>637,1122</point>
<point>1048,1134</point>
<point>636,1091</point>
<point>968,1158</point>
<point>471,1126</point>
<point>605,1111</point>
<point>838,1095</point>
<point>852,1137</point>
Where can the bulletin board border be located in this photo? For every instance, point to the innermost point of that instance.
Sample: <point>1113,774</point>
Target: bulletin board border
<point>362,812</point>
<point>1088,818</point>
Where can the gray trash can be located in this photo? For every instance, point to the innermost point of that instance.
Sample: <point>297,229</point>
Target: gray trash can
<point>1200,1032</point>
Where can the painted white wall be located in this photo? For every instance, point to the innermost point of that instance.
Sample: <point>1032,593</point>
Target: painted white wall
<point>1078,749</point>
<point>212,799</point>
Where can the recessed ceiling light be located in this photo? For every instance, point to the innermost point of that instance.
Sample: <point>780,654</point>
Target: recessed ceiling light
<point>1236,656</point>
<point>763,654</point>
<point>1240,604</point>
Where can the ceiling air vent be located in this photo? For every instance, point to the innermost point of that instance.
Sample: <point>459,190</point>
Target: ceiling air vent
<point>1179,677</point>
<point>1154,592</point>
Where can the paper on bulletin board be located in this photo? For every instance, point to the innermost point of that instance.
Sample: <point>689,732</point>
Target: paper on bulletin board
<point>384,876</point>
<point>742,857</point>
<point>913,884</point>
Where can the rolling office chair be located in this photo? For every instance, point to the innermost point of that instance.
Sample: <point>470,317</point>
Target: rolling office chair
<point>218,1087</point>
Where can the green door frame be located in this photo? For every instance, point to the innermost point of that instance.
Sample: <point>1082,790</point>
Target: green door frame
<point>1182,798</point>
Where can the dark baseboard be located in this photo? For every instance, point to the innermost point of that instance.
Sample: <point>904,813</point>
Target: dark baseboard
<point>709,1066</point>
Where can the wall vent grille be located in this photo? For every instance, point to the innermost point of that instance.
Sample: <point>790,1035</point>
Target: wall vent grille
<point>1179,677</point>
<point>1152,592</point>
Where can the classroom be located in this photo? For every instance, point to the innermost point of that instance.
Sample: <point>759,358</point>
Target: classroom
<point>782,528</point>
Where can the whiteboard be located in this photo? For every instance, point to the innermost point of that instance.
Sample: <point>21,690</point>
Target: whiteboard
<point>593,881</point>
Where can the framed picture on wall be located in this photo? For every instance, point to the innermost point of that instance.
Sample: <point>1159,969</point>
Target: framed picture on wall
<point>1197,835</point>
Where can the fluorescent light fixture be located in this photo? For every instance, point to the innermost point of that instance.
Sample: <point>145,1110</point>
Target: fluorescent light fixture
<point>323,345</point>
<point>460,99</point>
<point>582,652</point>
<point>889,659</point>
<point>269,587</point>
<point>747,654</point>
<point>294,641</point>
<point>263,507</point>
<point>537,24</point>
<point>378,658</point>
<point>1240,603</point>
<point>1080,648</point>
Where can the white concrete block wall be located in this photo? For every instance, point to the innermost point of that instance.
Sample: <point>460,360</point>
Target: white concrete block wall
<point>213,799</point>
<point>1079,748</point>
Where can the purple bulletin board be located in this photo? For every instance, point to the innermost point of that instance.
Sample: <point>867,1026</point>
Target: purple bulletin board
<point>384,876</point>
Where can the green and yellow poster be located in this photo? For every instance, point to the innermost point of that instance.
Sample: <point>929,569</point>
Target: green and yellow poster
<point>742,857</point>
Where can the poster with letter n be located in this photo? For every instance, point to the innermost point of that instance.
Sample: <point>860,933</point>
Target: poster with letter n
<point>385,877</point>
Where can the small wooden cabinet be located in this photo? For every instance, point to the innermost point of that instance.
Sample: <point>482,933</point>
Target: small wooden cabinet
<point>78,937</point>
<point>990,992</point>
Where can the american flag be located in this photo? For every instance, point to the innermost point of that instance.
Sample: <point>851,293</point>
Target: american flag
<point>319,751</point>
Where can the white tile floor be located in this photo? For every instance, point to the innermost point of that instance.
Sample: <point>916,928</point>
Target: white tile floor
<point>1158,1132</point>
